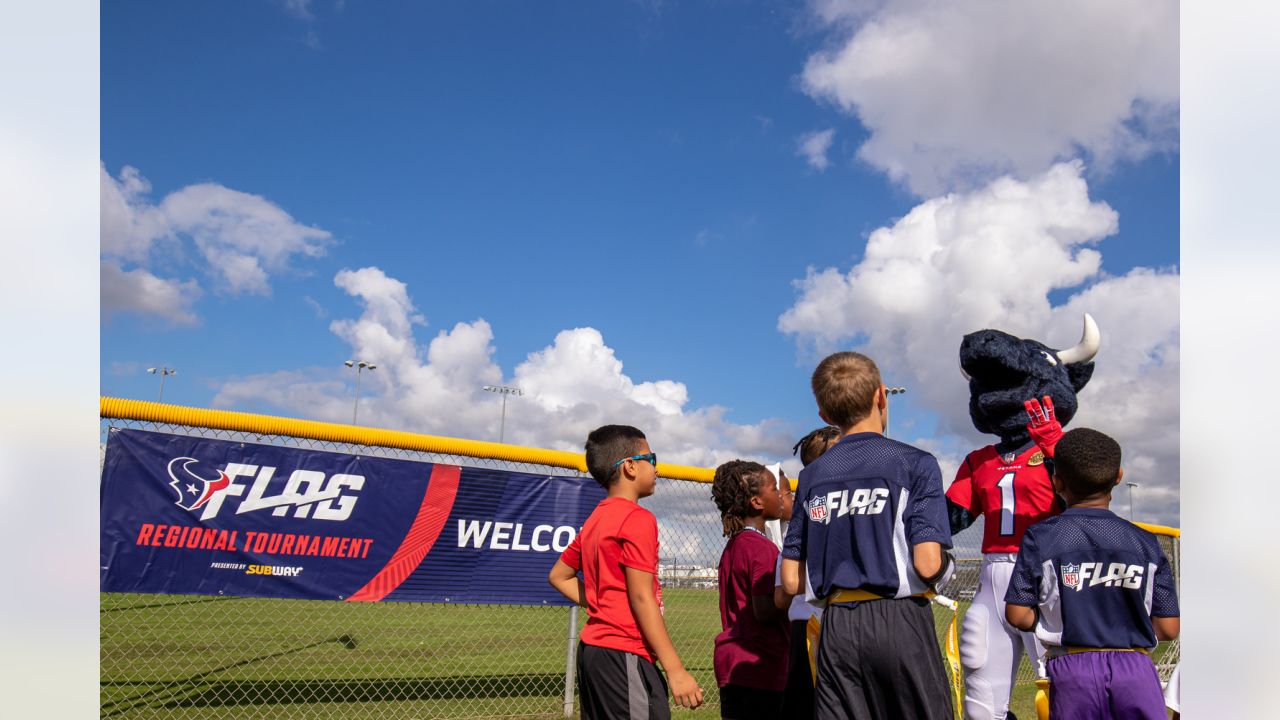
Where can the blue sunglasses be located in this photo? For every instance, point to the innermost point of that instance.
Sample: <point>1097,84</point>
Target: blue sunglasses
<point>651,457</point>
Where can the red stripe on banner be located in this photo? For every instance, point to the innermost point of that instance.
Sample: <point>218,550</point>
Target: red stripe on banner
<point>437,503</point>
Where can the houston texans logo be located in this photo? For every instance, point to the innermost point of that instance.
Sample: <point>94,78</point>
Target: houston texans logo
<point>193,490</point>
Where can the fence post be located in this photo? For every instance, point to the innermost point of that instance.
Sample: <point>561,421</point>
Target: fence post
<point>570,661</point>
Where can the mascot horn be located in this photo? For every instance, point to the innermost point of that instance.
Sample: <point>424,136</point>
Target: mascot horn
<point>1007,485</point>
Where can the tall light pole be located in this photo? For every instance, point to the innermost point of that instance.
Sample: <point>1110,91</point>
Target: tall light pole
<point>504,391</point>
<point>360,367</point>
<point>162,372</point>
<point>890,391</point>
<point>1131,485</point>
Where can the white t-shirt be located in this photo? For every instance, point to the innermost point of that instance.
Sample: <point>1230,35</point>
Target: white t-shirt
<point>775,530</point>
<point>1172,691</point>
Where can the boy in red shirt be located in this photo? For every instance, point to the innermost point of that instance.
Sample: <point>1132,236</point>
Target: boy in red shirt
<point>617,552</point>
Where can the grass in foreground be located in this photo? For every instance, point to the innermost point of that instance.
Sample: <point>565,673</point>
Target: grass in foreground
<point>178,657</point>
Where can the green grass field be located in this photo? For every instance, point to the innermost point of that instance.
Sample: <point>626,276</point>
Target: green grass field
<point>199,657</point>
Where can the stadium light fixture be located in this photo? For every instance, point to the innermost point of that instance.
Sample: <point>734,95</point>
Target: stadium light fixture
<point>1131,485</point>
<point>504,391</point>
<point>163,372</point>
<point>890,390</point>
<point>360,367</point>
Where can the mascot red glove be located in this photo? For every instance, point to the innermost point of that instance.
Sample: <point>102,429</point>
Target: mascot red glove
<point>1044,428</point>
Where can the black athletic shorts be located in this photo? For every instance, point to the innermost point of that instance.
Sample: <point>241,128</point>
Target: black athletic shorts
<point>617,685</point>
<point>738,702</point>
<point>799,698</point>
<point>880,659</point>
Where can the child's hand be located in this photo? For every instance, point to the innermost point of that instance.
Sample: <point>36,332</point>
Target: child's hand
<point>684,689</point>
<point>1045,429</point>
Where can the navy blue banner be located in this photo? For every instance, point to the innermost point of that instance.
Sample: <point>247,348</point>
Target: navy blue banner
<point>186,515</point>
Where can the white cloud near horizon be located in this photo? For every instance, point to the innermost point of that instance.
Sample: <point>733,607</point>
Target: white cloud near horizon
<point>241,240</point>
<point>990,259</point>
<point>813,147</point>
<point>572,385</point>
<point>956,94</point>
<point>141,292</point>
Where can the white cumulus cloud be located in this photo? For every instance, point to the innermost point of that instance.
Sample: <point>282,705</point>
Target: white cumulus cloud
<point>989,259</point>
<point>139,291</point>
<point>813,147</point>
<point>572,385</point>
<point>241,240</point>
<point>955,94</point>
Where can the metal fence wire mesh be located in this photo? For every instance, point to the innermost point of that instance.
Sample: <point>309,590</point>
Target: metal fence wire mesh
<point>185,656</point>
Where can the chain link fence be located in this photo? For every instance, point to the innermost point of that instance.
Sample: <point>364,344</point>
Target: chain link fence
<point>184,656</point>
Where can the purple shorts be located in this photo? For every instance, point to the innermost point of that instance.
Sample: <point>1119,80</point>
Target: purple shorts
<point>1105,684</point>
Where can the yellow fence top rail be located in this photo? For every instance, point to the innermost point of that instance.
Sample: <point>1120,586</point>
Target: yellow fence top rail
<point>1160,530</point>
<point>140,410</point>
<point>356,435</point>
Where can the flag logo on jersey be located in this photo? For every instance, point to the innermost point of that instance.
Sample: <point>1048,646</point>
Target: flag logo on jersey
<point>817,508</point>
<point>1071,576</point>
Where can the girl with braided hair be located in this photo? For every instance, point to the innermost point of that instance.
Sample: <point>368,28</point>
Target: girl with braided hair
<point>812,446</point>
<point>751,651</point>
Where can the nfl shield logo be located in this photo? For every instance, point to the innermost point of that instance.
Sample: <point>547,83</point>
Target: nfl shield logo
<point>1071,576</point>
<point>817,508</point>
<point>1009,458</point>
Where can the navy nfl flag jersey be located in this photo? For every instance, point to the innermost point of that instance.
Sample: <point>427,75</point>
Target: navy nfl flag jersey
<point>1097,579</point>
<point>859,508</point>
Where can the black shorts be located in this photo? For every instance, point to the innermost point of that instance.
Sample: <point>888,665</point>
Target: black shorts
<point>738,702</point>
<point>799,699</point>
<point>880,659</point>
<point>617,685</point>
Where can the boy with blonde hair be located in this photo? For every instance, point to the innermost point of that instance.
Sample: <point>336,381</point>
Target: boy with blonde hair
<point>867,538</point>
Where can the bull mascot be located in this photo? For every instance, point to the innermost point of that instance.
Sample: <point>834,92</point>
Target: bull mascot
<point>1008,485</point>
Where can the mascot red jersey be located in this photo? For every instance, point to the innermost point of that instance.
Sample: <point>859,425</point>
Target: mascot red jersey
<point>1007,484</point>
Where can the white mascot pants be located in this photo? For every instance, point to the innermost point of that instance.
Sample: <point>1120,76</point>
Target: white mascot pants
<point>991,648</point>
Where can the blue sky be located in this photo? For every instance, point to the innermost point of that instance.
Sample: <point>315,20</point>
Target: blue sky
<point>638,169</point>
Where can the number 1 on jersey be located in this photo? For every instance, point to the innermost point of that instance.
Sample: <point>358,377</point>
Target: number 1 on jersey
<point>1008,503</point>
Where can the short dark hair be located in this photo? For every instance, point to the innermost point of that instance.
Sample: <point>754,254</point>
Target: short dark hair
<point>812,446</point>
<point>607,445</point>
<point>1086,462</point>
<point>845,385</point>
<point>735,483</point>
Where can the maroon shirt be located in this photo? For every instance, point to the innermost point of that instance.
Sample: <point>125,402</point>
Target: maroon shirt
<point>748,652</point>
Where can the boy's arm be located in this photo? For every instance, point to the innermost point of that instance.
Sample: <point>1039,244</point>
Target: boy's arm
<point>565,579</point>
<point>791,569</point>
<point>780,597</point>
<point>1020,616</point>
<point>1166,627</point>
<point>792,577</point>
<point>644,605</point>
<point>1164,601</point>
<point>927,558</point>
<point>928,528</point>
<point>1022,598</point>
